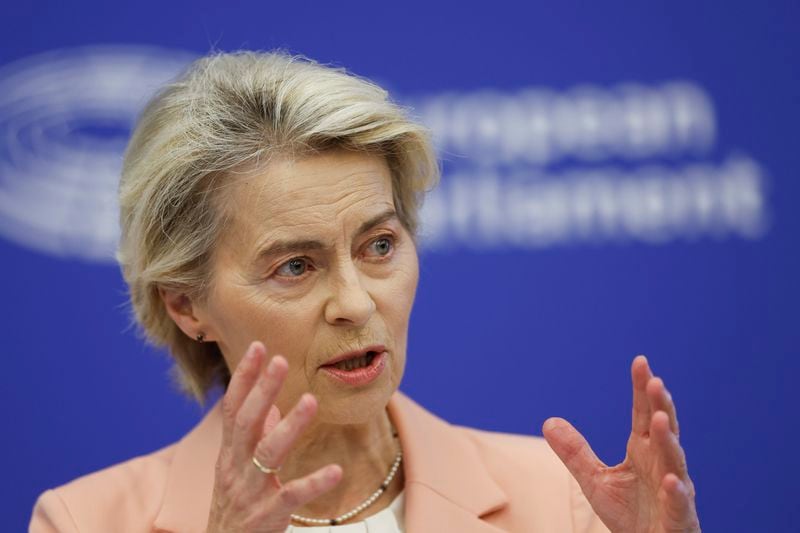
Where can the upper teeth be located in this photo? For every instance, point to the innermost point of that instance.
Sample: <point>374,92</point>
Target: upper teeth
<point>355,362</point>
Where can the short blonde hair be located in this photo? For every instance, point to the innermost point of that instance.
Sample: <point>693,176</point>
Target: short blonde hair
<point>228,112</point>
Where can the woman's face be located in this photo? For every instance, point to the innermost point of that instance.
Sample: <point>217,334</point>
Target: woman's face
<point>316,265</point>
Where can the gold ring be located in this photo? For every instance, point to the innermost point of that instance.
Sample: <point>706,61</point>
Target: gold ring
<point>265,469</point>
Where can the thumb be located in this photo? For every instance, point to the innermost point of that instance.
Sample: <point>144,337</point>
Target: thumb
<point>573,450</point>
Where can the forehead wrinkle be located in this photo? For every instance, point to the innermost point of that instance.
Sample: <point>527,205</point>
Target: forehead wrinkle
<point>291,178</point>
<point>300,231</point>
<point>333,192</point>
<point>325,207</point>
<point>267,202</point>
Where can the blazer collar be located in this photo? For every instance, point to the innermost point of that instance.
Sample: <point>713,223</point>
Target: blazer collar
<point>448,488</point>
<point>190,480</point>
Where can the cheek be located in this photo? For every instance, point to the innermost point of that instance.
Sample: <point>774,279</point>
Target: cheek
<point>286,327</point>
<point>400,293</point>
<point>409,278</point>
<point>398,313</point>
<point>282,326</point>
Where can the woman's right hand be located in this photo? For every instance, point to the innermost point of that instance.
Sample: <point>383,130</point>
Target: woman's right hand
<point>245,498</point>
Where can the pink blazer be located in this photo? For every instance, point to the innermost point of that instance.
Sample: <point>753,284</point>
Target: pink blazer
<point>457,480</point>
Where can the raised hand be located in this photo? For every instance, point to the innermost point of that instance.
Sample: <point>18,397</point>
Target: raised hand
<point>246,498</point>
<point>650,491</point>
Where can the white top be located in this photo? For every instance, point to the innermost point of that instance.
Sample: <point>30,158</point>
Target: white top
<point>389,520</point>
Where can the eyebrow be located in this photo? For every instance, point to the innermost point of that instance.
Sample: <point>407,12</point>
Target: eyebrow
<point>299,245</point>
<point>377,220</point>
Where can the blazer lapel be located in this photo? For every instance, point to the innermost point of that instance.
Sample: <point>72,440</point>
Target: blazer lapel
<point>190,482</point>
<point>448,488</point>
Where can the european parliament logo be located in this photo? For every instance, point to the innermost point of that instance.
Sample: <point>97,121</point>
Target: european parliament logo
<point>528,169</point>
<point>65,117</point>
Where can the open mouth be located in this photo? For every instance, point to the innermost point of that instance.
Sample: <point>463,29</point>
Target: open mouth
<point>355,363</point>
<point>358,367</point>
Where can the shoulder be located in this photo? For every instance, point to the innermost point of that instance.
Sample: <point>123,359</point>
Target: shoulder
<point>127,493</point>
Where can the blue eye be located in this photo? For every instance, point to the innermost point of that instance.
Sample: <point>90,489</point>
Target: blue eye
<point>382,246</point>
<point>293,267</point>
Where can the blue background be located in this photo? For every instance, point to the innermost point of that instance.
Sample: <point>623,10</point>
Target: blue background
<point>500,339</point>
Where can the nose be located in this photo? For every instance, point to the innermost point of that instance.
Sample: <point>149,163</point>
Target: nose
<point>349,304</point>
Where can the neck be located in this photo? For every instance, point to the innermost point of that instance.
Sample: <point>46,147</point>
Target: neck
<point>364,451</point>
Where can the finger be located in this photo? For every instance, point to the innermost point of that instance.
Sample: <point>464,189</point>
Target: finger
<point>573,450</point>
<point>251,417</point>
<point>273,449</point>
<point>299,492</point>
<point>272,419</point>
<point>640,375</point>
<point>661,400</point>
<point>670,455</point>
<point>676,500</point>
<point>242,380</point>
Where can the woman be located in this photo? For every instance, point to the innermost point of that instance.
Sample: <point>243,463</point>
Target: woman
<point>268,213</point>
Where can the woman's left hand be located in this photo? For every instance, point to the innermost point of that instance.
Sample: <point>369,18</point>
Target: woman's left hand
<point>650,490</point>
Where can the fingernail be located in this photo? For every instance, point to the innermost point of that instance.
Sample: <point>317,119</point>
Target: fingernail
<point>549,424</point>
<point>305,402</point>
<point>250,354</point>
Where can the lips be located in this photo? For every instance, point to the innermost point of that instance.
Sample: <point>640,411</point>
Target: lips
<point>356,356</point>
<point>357,368</point>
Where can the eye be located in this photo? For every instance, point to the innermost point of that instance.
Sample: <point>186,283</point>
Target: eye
<point>381,247</point>
<point>293,268</point>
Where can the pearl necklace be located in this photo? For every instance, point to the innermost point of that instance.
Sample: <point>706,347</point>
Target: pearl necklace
<point>363,505</point>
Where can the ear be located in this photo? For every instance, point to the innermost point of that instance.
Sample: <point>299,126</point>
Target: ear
<point>180,308</point>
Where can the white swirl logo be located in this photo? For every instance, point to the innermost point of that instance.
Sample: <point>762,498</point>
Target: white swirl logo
<point>65,117</point>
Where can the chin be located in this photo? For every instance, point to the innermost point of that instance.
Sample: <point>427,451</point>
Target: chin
<point>352,405</point>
